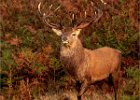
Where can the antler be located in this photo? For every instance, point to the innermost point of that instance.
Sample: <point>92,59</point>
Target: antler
<point>98,15</point>
<point>47,16</point>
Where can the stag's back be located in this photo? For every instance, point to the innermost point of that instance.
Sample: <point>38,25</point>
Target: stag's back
<point>101,62</point>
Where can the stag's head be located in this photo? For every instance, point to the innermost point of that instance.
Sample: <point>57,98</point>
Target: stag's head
<point>69,35</point>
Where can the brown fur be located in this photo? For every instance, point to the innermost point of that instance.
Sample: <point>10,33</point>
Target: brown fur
<point>89,66</point>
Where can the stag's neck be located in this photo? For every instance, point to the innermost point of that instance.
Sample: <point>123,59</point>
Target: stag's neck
<point>73,51</point>
<point>72,57</point>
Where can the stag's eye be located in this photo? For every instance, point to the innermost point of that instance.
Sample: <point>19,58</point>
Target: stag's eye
<point>73,34</point>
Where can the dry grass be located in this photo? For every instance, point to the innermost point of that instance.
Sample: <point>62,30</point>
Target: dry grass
<point>98,91</point>
<point>60,95</point>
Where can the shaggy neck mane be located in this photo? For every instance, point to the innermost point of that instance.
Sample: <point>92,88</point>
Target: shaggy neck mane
<point>74,58</point>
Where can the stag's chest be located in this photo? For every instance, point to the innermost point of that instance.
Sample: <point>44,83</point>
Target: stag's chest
<point>66,52</point>
<point>72,61</point>
<point>69,65</point>
<point>76,70</point>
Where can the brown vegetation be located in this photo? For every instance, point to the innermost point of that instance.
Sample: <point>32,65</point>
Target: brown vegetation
<point>29,51</point>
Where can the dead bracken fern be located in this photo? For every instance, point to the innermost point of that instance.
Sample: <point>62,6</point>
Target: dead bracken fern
<point>29,50</point>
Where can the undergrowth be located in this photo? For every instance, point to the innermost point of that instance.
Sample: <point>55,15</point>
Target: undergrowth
<point>29,54</point>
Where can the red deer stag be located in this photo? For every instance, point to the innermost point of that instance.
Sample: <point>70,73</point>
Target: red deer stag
<point>84,65</point>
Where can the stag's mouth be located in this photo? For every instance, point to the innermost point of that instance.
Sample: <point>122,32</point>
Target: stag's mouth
<point>65,43</point>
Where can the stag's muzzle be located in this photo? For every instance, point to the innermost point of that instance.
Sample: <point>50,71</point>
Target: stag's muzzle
<point>65,42</point>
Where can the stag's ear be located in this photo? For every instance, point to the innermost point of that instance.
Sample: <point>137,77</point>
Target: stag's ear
<point>57,31</point>
<point>76,32</point>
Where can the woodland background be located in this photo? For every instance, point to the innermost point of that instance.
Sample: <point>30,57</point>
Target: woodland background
<point>30,66</point>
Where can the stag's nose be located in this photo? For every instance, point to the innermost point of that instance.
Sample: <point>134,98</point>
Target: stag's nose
<point>64,38</point>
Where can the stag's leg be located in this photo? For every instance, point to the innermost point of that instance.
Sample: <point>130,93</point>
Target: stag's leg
<point>116,78</point>
<point>83,89</point>
<point>112,83</point>
<point>115,83</point>
<point>78,86</point>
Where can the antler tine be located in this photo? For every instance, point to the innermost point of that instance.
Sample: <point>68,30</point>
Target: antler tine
<point>39,8</point>
<point>98,14</point>
<point>50,7</point>
<point>45,16</point>
<point>85,14</point>
<point>49,24</point>
<point>57,8</point>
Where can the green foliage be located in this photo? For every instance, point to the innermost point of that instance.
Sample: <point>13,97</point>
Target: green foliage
<point>128,97</point>
<point>88,42</point>
<point>133,72</point>
<point>131,90</point>
<point>55,63</point>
